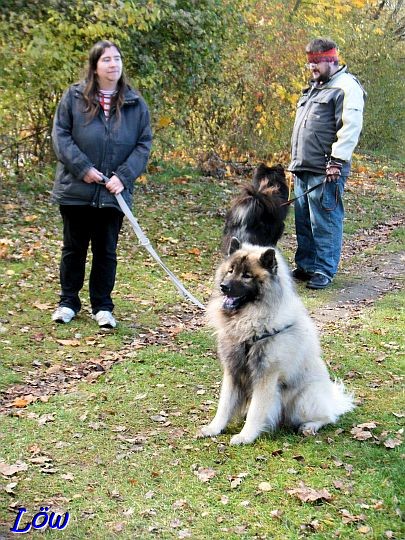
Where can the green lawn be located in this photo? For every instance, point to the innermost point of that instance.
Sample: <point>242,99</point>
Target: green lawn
<point>118,450</point>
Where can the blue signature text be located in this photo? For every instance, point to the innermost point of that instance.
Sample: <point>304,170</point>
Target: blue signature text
<point>40,521</point>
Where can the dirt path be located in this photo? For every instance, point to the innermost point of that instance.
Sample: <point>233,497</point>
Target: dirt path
<point>376,278</point>
<point>371,276</point>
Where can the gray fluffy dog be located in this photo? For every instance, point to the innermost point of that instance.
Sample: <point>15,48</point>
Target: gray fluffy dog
<point>269,350</point>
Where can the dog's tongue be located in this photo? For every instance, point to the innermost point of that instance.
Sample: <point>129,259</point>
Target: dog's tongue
<point>229,302</point>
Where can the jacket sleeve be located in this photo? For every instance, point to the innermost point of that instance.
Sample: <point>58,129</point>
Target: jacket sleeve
<point>66,149</point>
<point>349,119</point>
<point>136,162</point>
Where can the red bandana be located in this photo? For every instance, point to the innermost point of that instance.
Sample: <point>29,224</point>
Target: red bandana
<point>323,56</point>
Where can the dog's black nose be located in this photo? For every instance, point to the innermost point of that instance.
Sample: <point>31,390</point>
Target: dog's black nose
<point>225,288</point>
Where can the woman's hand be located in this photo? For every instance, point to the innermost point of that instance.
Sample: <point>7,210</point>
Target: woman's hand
<point>114,185</point>
<point>93,176</point>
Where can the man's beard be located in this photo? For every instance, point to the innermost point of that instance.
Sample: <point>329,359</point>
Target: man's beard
<point>324,77</point>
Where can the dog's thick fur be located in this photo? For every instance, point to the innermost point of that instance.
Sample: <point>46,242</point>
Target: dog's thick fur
<point>276,380</point>
<point>257,215</point>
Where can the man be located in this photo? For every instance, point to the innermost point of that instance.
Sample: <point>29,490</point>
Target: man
<point>326,131</point>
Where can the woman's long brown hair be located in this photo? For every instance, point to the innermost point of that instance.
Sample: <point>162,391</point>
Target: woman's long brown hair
<point>91,89</point>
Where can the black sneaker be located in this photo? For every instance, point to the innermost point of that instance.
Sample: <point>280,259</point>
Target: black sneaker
<point>301,275</point>
<point>318,281</point>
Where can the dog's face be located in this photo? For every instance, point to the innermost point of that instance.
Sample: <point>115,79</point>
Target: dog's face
<point>243,274</point>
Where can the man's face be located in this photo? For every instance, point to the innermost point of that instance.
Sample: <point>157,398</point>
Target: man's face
<point>322,71</point>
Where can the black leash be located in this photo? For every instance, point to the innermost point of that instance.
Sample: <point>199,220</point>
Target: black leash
<point>305,193</point>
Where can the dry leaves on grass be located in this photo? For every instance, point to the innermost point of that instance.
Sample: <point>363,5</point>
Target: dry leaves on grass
<point>11,470</point>
<point>362,432</point>
<point>237,479</point>
<point>307,494</point>
<point>205,474</point>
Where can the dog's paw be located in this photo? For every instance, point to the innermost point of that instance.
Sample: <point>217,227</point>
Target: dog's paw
<point>240,438</point>
<point>309,429</point>
<point>208,431</point>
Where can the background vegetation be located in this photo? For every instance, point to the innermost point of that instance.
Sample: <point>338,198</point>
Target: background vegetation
<point>217,74</point>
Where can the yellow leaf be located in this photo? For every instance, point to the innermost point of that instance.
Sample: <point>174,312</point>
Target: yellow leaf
<point>20,403</point>
<point>164,121</point>
<point>72,342</point>
<point>42,307</point>
<point>30,218</point>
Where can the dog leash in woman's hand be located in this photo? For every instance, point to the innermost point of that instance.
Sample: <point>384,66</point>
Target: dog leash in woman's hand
<point>144,241</point>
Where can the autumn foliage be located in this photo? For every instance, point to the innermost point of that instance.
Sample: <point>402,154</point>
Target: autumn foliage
<point>221,75</point>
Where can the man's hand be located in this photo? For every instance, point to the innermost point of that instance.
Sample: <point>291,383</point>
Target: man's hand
<point>333,170</point>
<point>114,185</point>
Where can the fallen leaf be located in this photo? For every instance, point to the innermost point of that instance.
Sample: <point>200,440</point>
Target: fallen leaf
<point>69,342</point>
<point>361,435</point>
<point>118,527</point>
<point>308,494</point>
<point>42,420</point>
<point>180,503</point>
<point>236,480</point>
<point>10,470</point>
<point>158,418</point>
<point>392,443</point>
<point>42,307</point>
<point>265,486</point>
<point>205,474</point>
<point>367,425</point>
<point>347,517</point>
<point>194,251</point>
<point>40,460</point>
<point>30,218</point>
<point>10,487</point>
<point>20,403</point>
<point>184,533</point>
<point>276,513</point>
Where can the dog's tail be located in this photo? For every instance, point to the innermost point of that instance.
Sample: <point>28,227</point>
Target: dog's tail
<point>263,197</point>
<point>343,400</point>
<point>257,215</point>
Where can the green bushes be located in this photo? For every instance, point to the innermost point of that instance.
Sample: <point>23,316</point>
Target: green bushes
<point>222,74</point>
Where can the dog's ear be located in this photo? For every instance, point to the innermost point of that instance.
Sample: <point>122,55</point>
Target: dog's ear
<point>259,174</point>
<point>268,260</point>
<point>234,245</point>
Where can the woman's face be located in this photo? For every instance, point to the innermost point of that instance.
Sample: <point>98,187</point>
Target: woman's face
<point>109,68</point>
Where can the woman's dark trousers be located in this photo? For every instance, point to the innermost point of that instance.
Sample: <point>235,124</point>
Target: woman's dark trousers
<point>84,226</point>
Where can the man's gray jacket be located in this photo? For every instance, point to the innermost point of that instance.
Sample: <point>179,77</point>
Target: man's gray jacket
<point>118,146</point>
<point>328,123</point>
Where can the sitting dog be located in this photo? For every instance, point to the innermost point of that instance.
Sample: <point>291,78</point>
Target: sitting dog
<point>257,215</point>
<point>269,349</point>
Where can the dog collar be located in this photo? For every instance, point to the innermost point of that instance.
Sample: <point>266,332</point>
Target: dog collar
<point>272,333</point>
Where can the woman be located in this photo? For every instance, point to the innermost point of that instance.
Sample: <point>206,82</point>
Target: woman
<point>101,127</point>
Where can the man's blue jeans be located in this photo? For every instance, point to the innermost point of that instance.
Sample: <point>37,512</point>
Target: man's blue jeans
<point>318,223</point>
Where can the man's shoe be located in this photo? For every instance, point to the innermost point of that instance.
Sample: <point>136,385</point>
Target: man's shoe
<point>318,281</point>
<point>301,274</point>
<point>63,315</point>
<point>105,319</point>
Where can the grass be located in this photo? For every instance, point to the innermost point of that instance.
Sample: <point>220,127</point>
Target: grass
<point>120,453</point>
